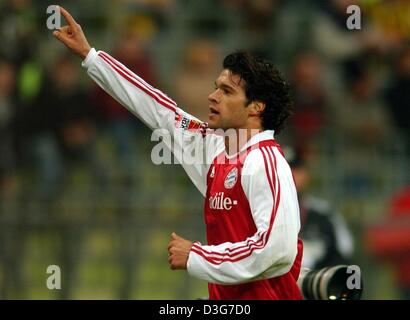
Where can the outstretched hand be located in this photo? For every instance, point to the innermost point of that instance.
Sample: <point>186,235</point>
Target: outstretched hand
<point>178,252</point>
<point>72,35</point>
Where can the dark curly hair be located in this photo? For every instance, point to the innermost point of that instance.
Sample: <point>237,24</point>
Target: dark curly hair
<point>264,83</point>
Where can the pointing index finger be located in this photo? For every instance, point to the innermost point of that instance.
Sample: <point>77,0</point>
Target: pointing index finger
<point>70,20</point>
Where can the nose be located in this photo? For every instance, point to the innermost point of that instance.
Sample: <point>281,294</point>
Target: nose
<point>213,98</point>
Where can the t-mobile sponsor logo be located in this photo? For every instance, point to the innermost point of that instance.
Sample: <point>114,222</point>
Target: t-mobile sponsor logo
<point>220,202</point>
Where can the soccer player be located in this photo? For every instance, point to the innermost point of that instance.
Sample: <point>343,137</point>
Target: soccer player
<point>251,206</point>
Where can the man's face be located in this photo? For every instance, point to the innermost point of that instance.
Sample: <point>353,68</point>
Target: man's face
<point>227,104</point>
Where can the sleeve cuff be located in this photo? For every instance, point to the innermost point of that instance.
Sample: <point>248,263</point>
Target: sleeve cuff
<point>191,265</point>
<point>89,59</point>
<point>190,261</point>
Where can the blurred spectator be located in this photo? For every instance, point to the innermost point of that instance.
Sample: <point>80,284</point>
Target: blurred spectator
<point>259,20</point>
<point>390,239</point>
<point>17,29</point>
<point>398,95</point>
<point>391,18</point>
<point>196,77</point>
<point>7,111</point>
<point>360,117</point>
<point>336,44</point>
<point>310,99</point>
<point>10,221</point>
<point>334,41</point>
<point>61,134</point>
<point>62,125</point>
<point>147,17</point>
<point>326,239</point>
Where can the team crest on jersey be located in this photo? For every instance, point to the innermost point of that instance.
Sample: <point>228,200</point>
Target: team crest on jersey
<point>231,178</point>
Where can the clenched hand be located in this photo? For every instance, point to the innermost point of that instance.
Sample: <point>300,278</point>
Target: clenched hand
<point>72,35</point>
<point>178,252</point>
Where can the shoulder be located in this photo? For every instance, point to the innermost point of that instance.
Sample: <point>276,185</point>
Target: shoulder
<point>257,174</point>
<point>262,160</point>
<point>264,153</point>
<point>253,162</point>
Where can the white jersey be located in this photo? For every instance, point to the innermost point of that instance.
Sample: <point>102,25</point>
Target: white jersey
<point>277,254</point>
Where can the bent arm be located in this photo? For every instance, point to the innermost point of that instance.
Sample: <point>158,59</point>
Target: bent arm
<point>272,250</point>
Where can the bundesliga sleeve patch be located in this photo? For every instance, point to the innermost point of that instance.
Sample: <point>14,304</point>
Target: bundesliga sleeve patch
<point>188,124</point>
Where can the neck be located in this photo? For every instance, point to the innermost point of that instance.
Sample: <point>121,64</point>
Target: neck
<point>235,139</point>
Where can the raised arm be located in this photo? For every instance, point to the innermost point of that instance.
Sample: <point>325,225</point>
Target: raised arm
<point>183,134</point>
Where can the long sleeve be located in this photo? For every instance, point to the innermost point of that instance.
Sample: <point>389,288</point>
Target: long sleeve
<point>186,136</point>
<point>268,184</point>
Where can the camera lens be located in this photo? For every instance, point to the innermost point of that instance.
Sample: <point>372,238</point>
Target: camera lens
<point>328,284</point>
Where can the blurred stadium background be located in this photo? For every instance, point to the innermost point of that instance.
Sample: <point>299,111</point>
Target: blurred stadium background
<point>77,185</point>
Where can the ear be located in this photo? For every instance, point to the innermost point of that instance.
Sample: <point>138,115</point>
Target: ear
<point>256,108</point>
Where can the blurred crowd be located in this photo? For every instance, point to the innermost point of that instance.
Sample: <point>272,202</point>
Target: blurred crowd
<point>351,91</point>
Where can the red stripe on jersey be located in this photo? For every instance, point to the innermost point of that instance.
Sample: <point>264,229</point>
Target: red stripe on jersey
<point>215,260</point>
<point>251,245</point>
<point>248,243</point>
<point>138,79</point>
<point>276,184</point>
<point>138,85</point>
<point>269,164</point>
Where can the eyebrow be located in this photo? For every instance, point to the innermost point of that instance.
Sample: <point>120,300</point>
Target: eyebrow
<point>224,86</point>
